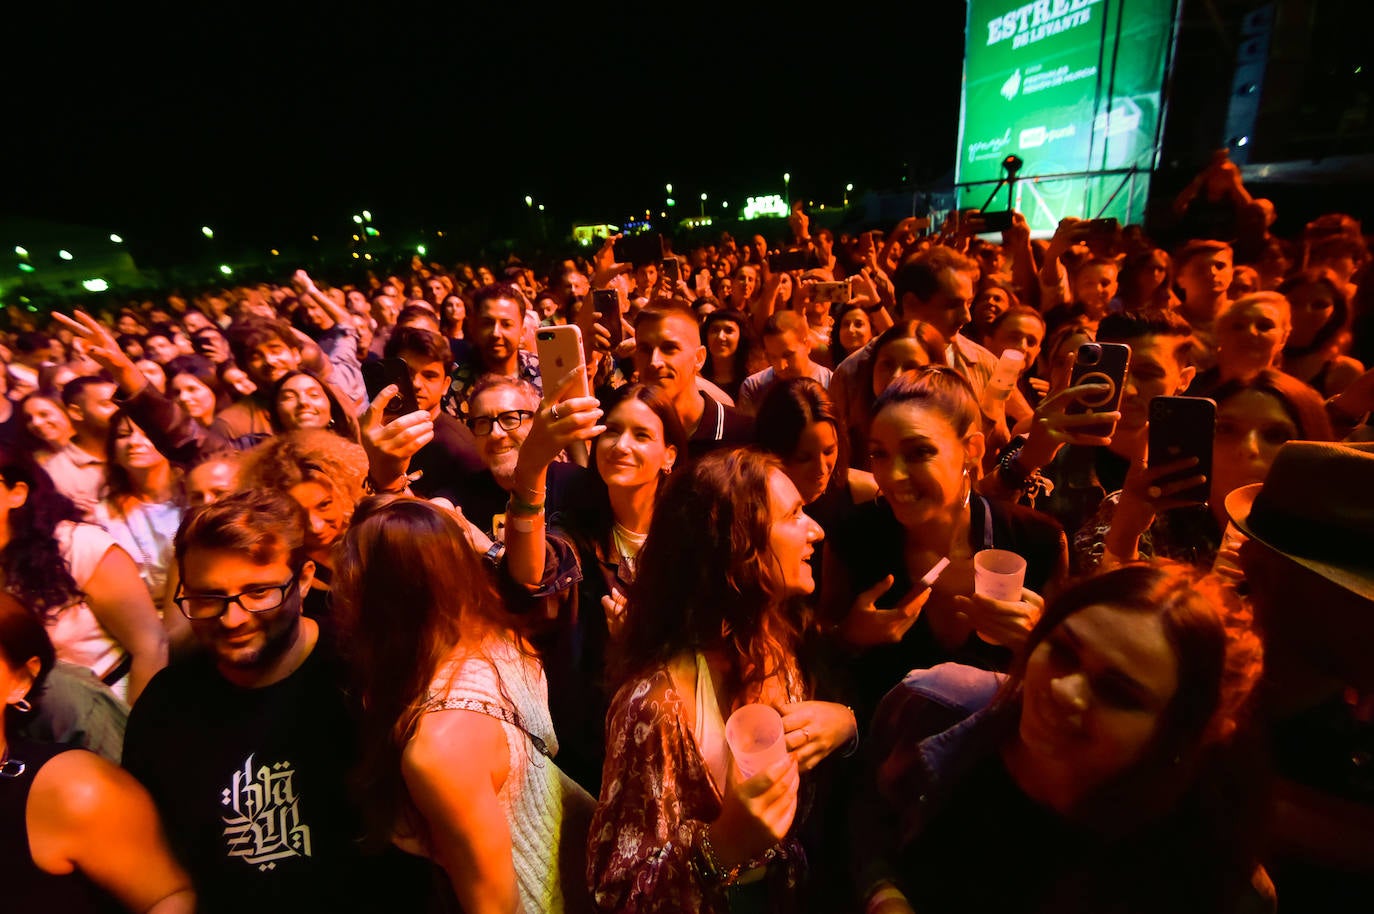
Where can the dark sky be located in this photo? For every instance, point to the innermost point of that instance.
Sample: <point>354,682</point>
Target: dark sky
<point>267,122</point>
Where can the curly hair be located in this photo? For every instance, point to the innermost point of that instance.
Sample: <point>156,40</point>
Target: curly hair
<point>308,455</point>
<point>706,578</point>
<point>35,571</point>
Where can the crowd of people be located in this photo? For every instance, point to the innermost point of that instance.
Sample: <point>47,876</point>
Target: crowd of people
<point>330,596</point>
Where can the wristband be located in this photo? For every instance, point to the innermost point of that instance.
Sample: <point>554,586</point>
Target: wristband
<point>495,554</point>
<point>517,505</point>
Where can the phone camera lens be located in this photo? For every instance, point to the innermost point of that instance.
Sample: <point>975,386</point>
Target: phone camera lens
<point>1089,354</point>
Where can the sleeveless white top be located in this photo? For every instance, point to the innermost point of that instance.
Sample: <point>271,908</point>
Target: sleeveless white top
<point>510,686</point>
<point>76,633</point>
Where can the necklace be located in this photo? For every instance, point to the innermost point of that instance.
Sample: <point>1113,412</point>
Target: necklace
<point>627,543</point>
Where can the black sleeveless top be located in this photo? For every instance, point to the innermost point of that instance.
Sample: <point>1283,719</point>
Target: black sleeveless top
<point>23,885</point>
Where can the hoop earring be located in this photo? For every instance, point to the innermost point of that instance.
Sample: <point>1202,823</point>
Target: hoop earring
<point>23,706</point>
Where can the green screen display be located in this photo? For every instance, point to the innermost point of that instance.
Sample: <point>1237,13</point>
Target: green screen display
<point>1070,86</point>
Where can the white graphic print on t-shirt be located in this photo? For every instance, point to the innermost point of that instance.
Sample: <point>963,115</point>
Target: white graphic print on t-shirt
<point>263,823</point>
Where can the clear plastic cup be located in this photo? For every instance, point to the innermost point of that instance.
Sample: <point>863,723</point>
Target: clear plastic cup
<point>999,575</point>
<point>754,733</point>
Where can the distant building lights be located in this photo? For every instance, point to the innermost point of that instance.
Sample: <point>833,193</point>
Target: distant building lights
<point>94,285</point>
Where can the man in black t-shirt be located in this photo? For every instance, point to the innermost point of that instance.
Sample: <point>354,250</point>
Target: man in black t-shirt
<point>668,357</point>
<point>246,747</point>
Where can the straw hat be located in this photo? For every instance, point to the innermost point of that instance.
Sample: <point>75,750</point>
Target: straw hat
<point>1316,508</point>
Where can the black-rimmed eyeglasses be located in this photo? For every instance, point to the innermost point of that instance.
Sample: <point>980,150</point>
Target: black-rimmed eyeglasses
<point>510,420</point>
<point>202,607</point>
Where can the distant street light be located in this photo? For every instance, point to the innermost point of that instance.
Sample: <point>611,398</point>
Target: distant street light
<point>529,201</point>
<point>787,188</point>
<point>65,255</point>
<point>21,251</point>
<point>225,269</point>
<point>207,231</point>
<point>116,239</point>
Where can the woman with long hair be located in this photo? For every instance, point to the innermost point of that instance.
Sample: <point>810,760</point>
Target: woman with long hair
<point>46,423</point>
<point>79,832</point>
<point>300,400</point>
<point>139,506</point>
<point>638,443</point>
<point>1147,281</point>
<point>796,423</point>
<point>731,349</point>
<point>709,628</point>
<point>77,580</point>
<point>194,383</point>
<point>1114,770</point>
<point>454,713</point>
<point>853,328</point>
<point>1250,334</point>
<point>904,346</point>
<point>1320,320</point>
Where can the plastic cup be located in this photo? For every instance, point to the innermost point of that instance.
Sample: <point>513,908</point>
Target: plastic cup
<point>998,575</point>
<point>754,733</point>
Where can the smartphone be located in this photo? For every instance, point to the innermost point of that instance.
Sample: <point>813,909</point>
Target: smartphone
<point>377,375</point>
<point>606,302</point>
<point>1183,427</point>
<point>1105,364</point>
<point>670,267</point>
<point>1107,232</point>
<point>996,221</point>
<point>833,292</point>
<point>786,261</point>
<point>639,249</point>
<point>560,351</point>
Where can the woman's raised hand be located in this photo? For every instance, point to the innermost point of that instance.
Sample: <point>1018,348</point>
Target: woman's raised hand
<point>558,423</point>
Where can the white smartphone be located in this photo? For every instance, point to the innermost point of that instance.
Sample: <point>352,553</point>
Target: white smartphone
<point>933,574</point>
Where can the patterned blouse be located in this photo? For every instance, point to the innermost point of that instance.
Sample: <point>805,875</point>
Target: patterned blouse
<point>656,798</point>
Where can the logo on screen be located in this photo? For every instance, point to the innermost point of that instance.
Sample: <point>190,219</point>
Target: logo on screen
<point>1012,86</point>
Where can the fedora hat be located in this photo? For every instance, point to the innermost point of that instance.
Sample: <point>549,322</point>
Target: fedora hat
<point>1316,508</point>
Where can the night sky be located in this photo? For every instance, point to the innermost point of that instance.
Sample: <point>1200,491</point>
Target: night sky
<point>271,124</point>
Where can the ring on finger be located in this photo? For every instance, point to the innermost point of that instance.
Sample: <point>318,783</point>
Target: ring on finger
<point>806,734</point>
<point>553,411</point>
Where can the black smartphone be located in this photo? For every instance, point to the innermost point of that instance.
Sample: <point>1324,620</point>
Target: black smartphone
<point>996,221</point>
<point>1106,232</point>
<point>1183,427</point>
<point>1103,364</point>
<point>671,267</point>
<point>606,302</point>
<point>639,249</point>
<point>377,375</point>
<point>786,261</point>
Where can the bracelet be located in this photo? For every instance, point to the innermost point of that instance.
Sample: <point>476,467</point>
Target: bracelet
<point>495,554</point>
<point>517,505</point>
<point>853,745</point>
<point>712,869</point>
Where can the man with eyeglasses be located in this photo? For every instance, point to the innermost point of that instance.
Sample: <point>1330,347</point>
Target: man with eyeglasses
<point>246,747</point>
<point>500,411</point>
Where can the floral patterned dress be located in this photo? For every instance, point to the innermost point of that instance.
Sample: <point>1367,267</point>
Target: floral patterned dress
<point>657,796</point>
